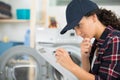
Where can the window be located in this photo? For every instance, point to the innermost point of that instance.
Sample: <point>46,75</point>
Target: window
<point>107,2</point>
<point>62,2</point>
<point>59,2</point>
<point>99,2</point>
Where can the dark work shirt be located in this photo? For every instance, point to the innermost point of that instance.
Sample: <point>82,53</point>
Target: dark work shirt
<point>107,63</point>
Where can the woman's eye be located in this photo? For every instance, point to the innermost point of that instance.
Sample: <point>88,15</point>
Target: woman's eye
<point>78,26</point>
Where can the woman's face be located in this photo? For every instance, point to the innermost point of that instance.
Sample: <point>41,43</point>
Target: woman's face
<point>86,27</point>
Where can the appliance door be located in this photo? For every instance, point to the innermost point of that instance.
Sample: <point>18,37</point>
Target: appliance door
<point>20,63</point>
<point>75,56</point>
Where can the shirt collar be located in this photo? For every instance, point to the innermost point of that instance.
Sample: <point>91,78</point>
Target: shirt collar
<point>104,35</point>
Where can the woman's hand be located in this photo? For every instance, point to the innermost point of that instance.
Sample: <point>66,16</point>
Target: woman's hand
<point>63,58</point>
<point>85,47</point>
<point>85,53</point>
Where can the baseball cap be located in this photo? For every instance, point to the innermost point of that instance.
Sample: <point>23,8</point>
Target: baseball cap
<point>76,9</point>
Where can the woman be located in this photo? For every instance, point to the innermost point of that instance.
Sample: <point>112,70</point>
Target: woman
<point>101,60</point>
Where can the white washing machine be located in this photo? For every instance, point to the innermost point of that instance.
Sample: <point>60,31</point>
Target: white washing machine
<point>20,63</point>
<point>47,41</point>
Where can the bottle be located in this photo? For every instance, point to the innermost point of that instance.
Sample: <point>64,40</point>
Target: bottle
<point>27,38</point>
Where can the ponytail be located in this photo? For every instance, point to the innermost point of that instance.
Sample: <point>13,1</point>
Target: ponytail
<point>107,18</point>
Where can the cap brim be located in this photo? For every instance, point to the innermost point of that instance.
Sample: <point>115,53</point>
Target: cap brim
<point>70,26</point>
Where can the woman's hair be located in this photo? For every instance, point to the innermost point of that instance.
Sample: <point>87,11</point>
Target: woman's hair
<point>106,17</point>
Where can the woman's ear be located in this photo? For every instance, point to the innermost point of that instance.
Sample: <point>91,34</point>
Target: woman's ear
<point>94,17</point>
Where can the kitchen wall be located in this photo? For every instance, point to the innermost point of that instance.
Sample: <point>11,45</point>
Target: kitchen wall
<point>59,13</point>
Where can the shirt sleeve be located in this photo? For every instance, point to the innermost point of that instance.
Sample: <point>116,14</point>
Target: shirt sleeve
<point>110,64</point>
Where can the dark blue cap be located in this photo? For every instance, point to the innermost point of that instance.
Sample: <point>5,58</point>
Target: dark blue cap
<point>76,9</point>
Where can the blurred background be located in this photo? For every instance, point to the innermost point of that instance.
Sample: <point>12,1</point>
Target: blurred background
<point>37,24</point>
<point>19,16</point>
